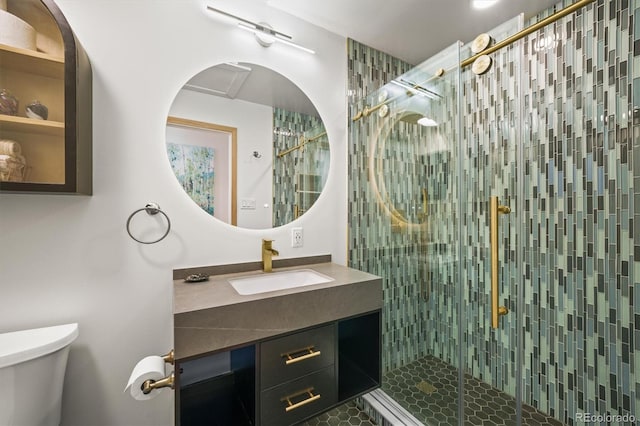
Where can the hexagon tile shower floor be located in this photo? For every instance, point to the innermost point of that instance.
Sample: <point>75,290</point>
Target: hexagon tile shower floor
<point>347,414</point>
<point>428,388</point>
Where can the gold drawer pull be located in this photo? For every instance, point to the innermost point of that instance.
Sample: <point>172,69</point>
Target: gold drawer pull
<point>291,406</point>
<point>308,353</point>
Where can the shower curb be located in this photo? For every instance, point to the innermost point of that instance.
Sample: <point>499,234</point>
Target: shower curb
<point>385,411</point>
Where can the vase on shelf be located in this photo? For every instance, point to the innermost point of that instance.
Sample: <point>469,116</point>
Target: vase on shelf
<point>36,110</point>
<point>8,103</point>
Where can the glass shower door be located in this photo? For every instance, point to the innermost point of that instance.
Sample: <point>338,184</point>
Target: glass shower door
<point>404,228</point>
<point>491,267</point>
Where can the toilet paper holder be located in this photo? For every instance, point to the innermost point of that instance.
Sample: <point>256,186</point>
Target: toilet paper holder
<point>149,385</point>
<point>170,358</point>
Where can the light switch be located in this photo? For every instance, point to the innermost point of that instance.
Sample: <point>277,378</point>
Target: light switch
<point>248,204</point>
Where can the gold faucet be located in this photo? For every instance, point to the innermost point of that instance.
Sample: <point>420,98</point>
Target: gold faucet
<point>267,253</point>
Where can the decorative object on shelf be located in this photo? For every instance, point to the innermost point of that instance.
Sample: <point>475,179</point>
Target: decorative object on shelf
<point>16,32</point>
<point>13,165</point>
<point>12,169</point>
<point>9,147</point>
<point>36,110</point>
<point>8,103</point>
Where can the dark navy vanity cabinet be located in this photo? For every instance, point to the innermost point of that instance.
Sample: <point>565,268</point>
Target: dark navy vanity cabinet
<point>283,380</point>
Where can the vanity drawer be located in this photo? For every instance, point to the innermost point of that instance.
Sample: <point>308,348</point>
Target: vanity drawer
<point>294,401</point>
<point>296,355</point>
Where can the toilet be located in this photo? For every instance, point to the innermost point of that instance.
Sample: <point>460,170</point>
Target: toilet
<point>32,367</point>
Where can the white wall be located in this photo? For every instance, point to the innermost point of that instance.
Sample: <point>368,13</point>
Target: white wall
<point>67,258</point>
<point>254,123</point>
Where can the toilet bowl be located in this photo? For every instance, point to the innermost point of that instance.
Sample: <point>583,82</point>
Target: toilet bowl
<point>32,367</point>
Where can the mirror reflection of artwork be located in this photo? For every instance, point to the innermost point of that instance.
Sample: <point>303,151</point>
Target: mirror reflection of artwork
<point>193,166</point>
<point>281,141</point>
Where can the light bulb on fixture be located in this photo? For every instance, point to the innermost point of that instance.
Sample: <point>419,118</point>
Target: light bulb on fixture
<point>483,4</point>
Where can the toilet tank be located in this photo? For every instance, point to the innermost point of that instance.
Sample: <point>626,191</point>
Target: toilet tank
<point>32,367</point>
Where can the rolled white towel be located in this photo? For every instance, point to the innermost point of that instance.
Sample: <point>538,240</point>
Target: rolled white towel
<point>8,147</point>
<point>16,32</point>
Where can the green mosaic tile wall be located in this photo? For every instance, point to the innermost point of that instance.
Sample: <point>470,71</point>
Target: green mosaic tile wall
<point>412,255</point>
<point>299,175</point>
<point>554,130</point>
<point>582,207</point>
<point>373,246</point>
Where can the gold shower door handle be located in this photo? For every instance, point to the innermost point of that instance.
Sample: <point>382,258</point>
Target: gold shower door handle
<point>496,310</point>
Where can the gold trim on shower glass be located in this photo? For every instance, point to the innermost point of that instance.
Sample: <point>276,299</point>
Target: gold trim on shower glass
<point>496,310</point>
<point>303,142</point>
<point>489,50</point>
<point>530,29</point>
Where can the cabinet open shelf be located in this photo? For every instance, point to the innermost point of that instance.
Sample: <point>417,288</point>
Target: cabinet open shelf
<point>12,123</point>
<point>214,402</point>
<point>359,351</point>
<point>57,73</point>
<point>30,61</point>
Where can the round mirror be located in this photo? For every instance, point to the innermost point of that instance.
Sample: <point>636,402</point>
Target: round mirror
<point>247,145</point>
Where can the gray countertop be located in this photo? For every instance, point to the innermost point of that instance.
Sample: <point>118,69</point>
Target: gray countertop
<point>211,316</point>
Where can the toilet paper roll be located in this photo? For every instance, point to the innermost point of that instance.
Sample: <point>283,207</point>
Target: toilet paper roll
<point>149,368</point>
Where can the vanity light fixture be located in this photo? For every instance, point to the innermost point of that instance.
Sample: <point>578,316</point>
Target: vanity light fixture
<point>483,4</point>
<point>265,35</point>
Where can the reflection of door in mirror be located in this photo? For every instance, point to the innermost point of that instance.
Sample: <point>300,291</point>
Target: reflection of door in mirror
<point>203,158</point>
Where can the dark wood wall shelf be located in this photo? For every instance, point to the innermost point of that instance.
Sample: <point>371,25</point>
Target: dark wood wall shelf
<point>57,151</point>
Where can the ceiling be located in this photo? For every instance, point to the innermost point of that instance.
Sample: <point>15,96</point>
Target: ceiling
<point>412,30</point>
<point>252,83</point>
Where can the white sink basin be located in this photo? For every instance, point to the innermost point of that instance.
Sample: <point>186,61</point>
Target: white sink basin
<point>272,281</point>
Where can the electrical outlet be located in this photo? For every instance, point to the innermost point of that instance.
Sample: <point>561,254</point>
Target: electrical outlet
<point>296,237</point>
